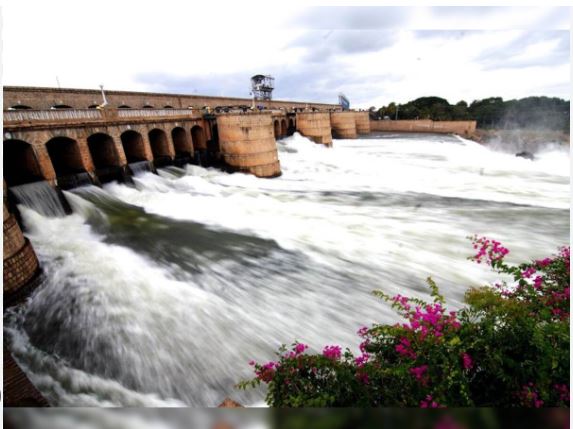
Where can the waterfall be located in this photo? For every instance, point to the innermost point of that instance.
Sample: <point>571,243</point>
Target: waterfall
<point>41,197</point>
<point>140,167</point>
<point>75,180</point>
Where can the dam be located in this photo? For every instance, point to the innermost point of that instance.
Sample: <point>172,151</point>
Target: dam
<point>129,221</point>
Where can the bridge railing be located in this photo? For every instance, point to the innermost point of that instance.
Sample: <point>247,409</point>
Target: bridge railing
<point>137,113</point>
<point>51,115</point>
<point>88,115</point>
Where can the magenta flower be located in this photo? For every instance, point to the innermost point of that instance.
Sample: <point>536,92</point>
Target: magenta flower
<point>467,361</point>
<point>428,402</point>
<point>528,272</point>
<point>544,262</point>
<point>300,348</point>
<point>419,372</point>
<point>530,397</point>
<point>563,391</point>
<point>404,348</point>
<point>489,251</point>
<point>363,331</point>
<point>332,352</point>
<point>267,371</point>
<point>361,360</point>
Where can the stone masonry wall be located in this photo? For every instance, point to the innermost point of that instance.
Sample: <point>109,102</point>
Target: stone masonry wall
<point>464,128</point>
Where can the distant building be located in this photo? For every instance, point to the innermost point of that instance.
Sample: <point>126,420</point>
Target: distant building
<point>344,102</point>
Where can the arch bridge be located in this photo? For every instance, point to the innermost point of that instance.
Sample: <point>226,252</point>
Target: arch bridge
<point>55,145</point>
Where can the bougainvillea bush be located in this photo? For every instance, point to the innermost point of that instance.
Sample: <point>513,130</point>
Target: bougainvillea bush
<point>507,347</point>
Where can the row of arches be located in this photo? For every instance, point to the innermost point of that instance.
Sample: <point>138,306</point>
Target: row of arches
<point>282,128</point>
<point>21,163</point>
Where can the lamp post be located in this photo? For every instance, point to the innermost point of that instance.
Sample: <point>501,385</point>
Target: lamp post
<point>103,96</point>
<point>397,107</point>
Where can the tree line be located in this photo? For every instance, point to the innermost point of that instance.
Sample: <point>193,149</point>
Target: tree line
<point>531,112</point>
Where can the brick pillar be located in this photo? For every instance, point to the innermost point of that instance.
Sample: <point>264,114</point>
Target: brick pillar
<point>116,137</point>
<point>87,161</point>
<point>170,143</point>
<point>44,161</point>
<point>20,261</point>
<point>146,144</point>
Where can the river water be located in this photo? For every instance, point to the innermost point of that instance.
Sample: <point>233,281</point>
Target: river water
<point>160,294</point>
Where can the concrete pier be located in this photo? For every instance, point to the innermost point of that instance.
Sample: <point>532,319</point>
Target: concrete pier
<point>343,125</point>
<point>247,143</point>
<point>315,126</point>
<point>362,122</point>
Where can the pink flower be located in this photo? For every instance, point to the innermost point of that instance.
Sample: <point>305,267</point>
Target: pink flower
<point>419,372</point>
<point>361,360</point>
<point>300,348</point>
<point>332,352</point>
<point>489,251</point>
<point>538,282</point>
<point>544,262</point>
<point>363,331</point>
<point>530,397</point>
<point>467,361</point>
<point>402,301</point>
<point>267,371</point>
<point>404,348</point>
<point>563,391</point>
<point>428,402</point>
<point>363,345</point>
<point>528,272</point>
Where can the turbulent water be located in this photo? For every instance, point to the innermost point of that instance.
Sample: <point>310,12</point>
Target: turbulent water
<point>160,294</point>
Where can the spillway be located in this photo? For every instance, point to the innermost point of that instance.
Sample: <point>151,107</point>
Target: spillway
<point>160,292</point>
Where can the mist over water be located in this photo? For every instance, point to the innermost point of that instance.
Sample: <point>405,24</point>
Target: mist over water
<point>159,294</point>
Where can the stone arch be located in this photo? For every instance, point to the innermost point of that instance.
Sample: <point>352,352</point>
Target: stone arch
<point>124,106</point>
<point>199,138</point>
<point>148,106</point>
<point>181,142</point>
<point>20,163</point>
<point>168,107</point>
<point>277,129</point>
<point>133,146</point>
<point>65,155</point>
<point>19,107</point>
<point>291,126</point>
<point>159,147</point>
<point>103,151</point>
<point>61,106</point>
<point>93,106</point>
<point>284,127</point>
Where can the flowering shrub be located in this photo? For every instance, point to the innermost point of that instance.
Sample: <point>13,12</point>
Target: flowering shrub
<point>508,347</point>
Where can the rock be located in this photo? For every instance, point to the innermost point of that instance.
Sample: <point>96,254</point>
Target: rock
<point>526,155</point>
<point>229,403</point>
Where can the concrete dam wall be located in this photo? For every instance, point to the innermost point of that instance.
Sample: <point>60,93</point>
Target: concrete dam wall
<point>463,128</point>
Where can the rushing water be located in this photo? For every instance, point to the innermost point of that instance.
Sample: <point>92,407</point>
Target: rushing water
<point>160,293</point>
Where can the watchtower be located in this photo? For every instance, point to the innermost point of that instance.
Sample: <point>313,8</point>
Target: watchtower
<point>262,87</point>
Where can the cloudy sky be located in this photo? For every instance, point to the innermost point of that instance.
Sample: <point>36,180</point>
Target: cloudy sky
<point>374,55</point>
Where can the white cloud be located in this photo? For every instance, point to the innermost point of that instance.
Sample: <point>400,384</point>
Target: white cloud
<point>374,55</point>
